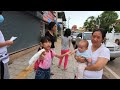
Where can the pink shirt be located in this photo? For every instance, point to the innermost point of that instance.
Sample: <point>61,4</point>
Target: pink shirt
<point>46,63</point>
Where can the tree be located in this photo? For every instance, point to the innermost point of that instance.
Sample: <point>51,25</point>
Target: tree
<point>117,28</point>
<point>107,18</point>
<point>86,24</point>
<point>90,23</point>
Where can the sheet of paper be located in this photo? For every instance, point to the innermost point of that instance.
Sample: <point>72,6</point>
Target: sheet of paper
<point>12,38</point>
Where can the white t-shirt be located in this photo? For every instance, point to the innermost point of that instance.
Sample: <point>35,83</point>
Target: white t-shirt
<point>65,42</point>
<point>3,50</point>
<point>102,51</point>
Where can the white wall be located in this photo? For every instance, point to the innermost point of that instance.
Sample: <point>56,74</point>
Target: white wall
<point>59,20</point>
<point>116,36</point>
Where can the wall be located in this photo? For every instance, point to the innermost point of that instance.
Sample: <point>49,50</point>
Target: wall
<point>23,25</point>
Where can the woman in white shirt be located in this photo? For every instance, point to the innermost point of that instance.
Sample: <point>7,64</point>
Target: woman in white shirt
<point>100,56</point>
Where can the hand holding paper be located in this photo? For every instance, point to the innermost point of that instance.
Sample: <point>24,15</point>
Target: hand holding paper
<point>12,38</point>
<point>8,43</point>
<point>36,56</point>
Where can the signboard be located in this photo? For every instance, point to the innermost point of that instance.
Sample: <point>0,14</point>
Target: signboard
<point>48,16</point>
<point>39,15</point>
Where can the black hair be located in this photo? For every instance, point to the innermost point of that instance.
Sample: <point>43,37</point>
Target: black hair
<point>103,32</point>
<point>45,39</point>
<point>0,12</point>
<point>117,40</point>
<point>67,32</point>
<point>50,25</point>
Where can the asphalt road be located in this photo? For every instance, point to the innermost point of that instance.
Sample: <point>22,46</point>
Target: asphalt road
<point>113,68</point>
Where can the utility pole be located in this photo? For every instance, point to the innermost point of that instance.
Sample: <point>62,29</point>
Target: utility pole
<point>99,22</point>
<point>56,22</point>
<point>68,21</point>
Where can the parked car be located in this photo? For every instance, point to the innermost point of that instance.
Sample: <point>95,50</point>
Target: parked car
<point>113,47</point>
<point>114,50</point>
<point>85,36</point>
<point>78,38</point>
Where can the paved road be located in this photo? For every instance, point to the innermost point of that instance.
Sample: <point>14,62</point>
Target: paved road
<point>114,68</point>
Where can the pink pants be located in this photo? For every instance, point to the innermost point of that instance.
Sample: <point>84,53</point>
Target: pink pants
<point>66,58</point>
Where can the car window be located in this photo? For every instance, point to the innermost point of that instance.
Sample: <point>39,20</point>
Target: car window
<point>79,35</point>
<point>87,36</point>
<point>75,34</point>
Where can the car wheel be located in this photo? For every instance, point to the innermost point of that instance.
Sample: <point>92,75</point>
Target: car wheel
<point>73,43</point>
<point>76,46</point>
<point>112,58</point>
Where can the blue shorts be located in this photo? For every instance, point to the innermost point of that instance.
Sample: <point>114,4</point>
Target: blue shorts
<point>42,73</point>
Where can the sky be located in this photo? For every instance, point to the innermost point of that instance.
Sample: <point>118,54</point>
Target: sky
<point>78,17</point>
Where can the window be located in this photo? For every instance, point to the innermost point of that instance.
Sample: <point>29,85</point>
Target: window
<point>59,15</point>
<point>87,36</point>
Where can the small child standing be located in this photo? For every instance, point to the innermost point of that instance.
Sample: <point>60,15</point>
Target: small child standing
<point>83,53</point>
<point>43,72</point>
<point>65,42</point>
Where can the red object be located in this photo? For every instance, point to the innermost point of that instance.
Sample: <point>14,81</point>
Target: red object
<point>48,15</point>
<point>66,59</point>
<point>36,64</point>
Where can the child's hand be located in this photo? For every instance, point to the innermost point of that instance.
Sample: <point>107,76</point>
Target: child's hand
<point>89,60</point>
<point>80,59</point>
<point>72,52</point>
<point>68,53</point>
<point>42,56</point>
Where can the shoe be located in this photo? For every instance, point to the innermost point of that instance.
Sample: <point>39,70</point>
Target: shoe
<point>58,66</point>
<point>75,77</point>
<point>64,69</point>
<point>51,73</point>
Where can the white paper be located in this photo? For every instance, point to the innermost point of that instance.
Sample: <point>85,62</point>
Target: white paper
<point>35,57</point>
<point>12,38</point>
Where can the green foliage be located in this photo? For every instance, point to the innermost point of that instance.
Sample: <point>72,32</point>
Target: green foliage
<point>105,20</point>
<point>117,28</point>
<point>90,23</point>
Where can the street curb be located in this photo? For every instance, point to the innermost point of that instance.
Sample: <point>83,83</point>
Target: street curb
<point>21,53</point>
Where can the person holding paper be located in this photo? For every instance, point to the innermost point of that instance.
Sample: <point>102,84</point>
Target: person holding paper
<point>4,57</point>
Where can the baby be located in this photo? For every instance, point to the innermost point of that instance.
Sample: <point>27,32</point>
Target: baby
<point>82,52</point>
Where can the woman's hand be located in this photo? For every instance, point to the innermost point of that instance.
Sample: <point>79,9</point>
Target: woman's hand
<point>8,42</point>
<point>99,65</point>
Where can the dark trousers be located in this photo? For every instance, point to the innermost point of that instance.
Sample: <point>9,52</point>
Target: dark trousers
<point>2,70</point>
<point>42,73</point>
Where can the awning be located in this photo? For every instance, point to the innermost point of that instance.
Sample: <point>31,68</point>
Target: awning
<point>49,20</point>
